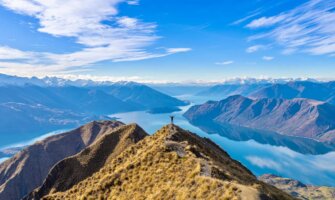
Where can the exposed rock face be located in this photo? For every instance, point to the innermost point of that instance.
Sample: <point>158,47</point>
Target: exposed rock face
<point>298,189</point>
<point>26,170</point>
<point>171,164</point>
<point>74,169</point>
<point>296,117</point>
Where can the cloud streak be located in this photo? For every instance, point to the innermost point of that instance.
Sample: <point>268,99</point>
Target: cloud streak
<point>95,24</point>
<point>309,28</point>
<point>228,62</point>
<point>268,58</point>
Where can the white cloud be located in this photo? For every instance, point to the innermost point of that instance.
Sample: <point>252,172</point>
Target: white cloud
<point>134,2</point>
<point>10,53</point>
<point>95,24</point>
<point>266,21</point>
<point>228,62</point>
<point>255,48</point>
<point>267,58</point>
<point>178,50</point>
<point>309,28</point>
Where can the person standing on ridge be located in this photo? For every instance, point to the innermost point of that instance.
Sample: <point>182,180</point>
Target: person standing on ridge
<point>171,117</point>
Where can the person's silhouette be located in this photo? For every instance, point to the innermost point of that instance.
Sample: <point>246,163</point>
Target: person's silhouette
<point>171,117</point>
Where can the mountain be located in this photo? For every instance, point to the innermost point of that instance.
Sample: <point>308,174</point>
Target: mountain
<point>171,164</point>
<point>298,189</point>
<point>6,80</point>
<point>296,117</point>
<point>226,90</point>
<point>88,96</point>
<point>76,99</point>
<point>44,105</point>
<point>141,95</point>
<point>25,121</point>
<point>26,170</point>
<point>310,89</point>
<point>70,171</point>
<point>180,89</point>
<point>299,89</point>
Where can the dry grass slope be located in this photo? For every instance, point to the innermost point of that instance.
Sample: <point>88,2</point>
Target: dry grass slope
<point>26,170</point>
<point>172,164</point>
<point>74,169</point>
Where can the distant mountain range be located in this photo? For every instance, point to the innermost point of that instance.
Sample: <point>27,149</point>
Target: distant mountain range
<point>122,161</point>
<point>321,91</point>
<point>41,105</point>
<point>48,81</point>
<point>295,117</point>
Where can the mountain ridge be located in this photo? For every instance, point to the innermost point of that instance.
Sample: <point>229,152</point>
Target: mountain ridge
<point>27,169</point>
<point>296,117</point>
<point>73,169</point>
<point>194,167</point>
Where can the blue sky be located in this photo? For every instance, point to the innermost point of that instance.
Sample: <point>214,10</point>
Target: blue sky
<point>168,41</point>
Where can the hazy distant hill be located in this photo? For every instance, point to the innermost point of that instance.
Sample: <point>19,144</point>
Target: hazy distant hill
<point>171,164</point>
<point>27,169</point>
<point>226,90</point>
<point>140,95</point>
<point>296,117</point>
<point>37,118</point>
<point>42,105</point>
<point>322,91</point>
<point>71,98</point>
<point>300,89</point>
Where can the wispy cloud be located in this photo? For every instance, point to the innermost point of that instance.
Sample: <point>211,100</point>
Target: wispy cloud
<point>255,48</point>
<point>228,62</point>
<point>267,58</point>
<point>253,14</point>
<point>266,21</point>
<point>308,28</point>
<point>95,24</point>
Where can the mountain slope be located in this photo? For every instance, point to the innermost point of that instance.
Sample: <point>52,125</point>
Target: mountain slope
<point>142,95</point>
<point>298,189</point>
<point>226,90</point>
<point>76,99</point>
<point>36,119</point>
<point>172,164</point>
<point>299,89</point>
<point>27,169</point>
<point>296,117</point>
<point>72,170</point>
<point>43,109</point>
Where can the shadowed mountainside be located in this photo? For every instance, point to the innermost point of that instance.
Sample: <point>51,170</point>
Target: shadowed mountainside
<point>26,170</point>
<point>74,169</point>
<point>296,117</point>
<point>171,164</point>
<point>41,109</point>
